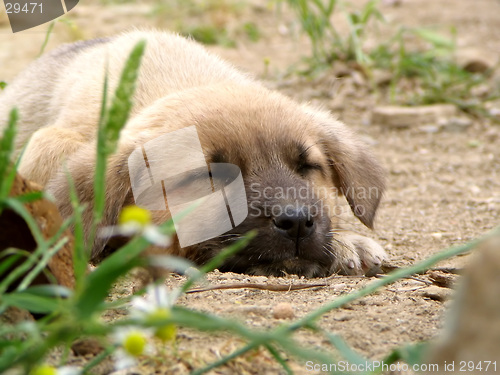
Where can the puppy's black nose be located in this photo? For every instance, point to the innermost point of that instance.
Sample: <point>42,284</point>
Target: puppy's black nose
<point>294,223</point>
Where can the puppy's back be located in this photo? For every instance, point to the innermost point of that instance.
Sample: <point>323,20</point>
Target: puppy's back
<point>64,87</point>
<point>32,90</point>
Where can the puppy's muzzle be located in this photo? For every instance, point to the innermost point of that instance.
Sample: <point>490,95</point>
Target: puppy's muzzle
<point>294,224</point>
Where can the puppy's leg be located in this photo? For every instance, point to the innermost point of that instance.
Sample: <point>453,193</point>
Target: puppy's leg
<point>357,254</point>
<point>46,151</point>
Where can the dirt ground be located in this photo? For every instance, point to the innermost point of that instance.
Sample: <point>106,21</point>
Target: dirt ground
<point>443,186</point>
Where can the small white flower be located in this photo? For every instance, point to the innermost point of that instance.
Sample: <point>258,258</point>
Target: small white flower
<point>135,220</point>
<point>50,370</point>
<point>157,296</point>
<point>133,343</point>
<point>156,307</point>
<point>69,370</point>
<point>155,236</point>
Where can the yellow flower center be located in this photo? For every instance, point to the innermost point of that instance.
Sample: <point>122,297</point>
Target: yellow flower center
<point>134,344</point>
<point>166,332</point>
<point>44,370</point>
<point>134,214</point>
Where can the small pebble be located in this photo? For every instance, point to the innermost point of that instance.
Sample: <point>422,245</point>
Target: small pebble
<point>475,189</point>
<point>283,310</point>
<point>429,128</point>
<point>473,143</point>
<point>457,124</point>
<point>437,293</point>
<point>338,287</point>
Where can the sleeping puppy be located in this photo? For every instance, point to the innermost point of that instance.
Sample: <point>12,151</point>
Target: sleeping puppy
<point>297,163</point>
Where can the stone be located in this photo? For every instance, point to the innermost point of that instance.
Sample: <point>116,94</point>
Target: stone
<point>430,129</point>
<point>475,60</point>
<point>456,124</point>
<point>436,293</point>
<point>15,233</point>
<point>87,346</point>
<point>494,112</point>
<point>14,315</point>
<point>472,327</point>
<point>442,279</point>
<point>283,310</point>
<point>405,117</point>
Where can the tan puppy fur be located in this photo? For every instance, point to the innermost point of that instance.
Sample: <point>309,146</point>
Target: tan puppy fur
<point>275,141</point>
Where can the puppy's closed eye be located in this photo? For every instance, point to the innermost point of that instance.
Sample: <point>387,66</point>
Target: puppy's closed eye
<point>308,166</point>
<point>307,161</point>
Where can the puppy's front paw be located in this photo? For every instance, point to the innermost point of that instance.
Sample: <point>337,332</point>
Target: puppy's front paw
<point>357,254</point>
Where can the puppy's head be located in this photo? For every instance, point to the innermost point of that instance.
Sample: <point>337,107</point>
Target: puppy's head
<point>295,162</point>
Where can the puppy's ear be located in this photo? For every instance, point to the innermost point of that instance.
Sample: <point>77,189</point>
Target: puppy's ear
<point>356,173</point>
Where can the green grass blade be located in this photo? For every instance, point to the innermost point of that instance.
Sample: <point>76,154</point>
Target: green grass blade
<point>436,39</point>
<point>80,253</point>
<point>8,260</point>
<point>277,356</point>
<point>6,150</point>
<point>389,279</point>
<point>225,359</point>
<point>282,334</point>
<point>113,122</point>
<point>345,350</point>
<point>30,197</point>
<point>411,354</point>
<point>32,302</point>
<point>19,208</point>
<point>98,359</point>
<point>42,244</point>
<point>54,291</point>
<point>41,264</point>
<point>47,37</point>
<point>98,282</point>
